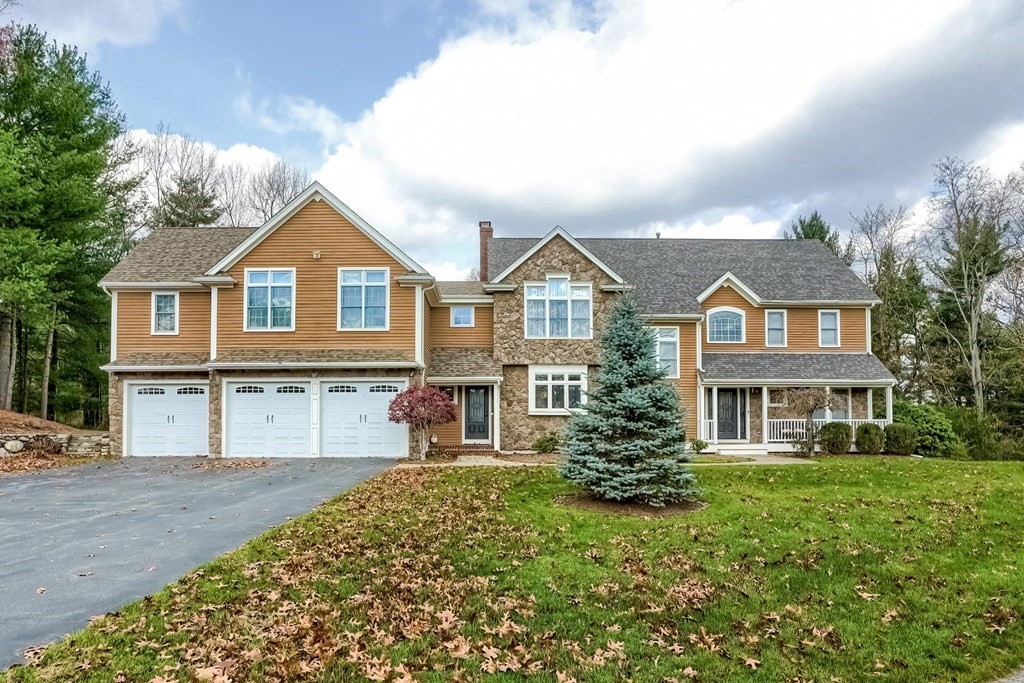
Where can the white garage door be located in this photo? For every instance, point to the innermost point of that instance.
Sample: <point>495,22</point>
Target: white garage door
<point>168,419</point>
<point>354,420</point>
<point>268,419</point>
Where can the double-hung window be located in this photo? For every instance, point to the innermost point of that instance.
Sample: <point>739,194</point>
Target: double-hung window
<point>363,298</point>
<point>726,326</point>
<point>165,313</point>
<point>557,389</point>
<point>558,309</point>
<point>828,328</point>
<point>667,350</point>
<point>775,328</point>
<point>270,299</point>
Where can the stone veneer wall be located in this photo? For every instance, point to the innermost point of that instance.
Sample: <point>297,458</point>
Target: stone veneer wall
<point>115,404</point>
<point>516,353</point>
<point>510,345</point>
<point>216,384</point>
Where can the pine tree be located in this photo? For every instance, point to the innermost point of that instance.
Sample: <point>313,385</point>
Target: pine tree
<point>189,205</point>
<point>630,444</point>
<point>815,228</point>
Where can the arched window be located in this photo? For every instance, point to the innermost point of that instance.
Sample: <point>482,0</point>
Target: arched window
<point>726,325</point>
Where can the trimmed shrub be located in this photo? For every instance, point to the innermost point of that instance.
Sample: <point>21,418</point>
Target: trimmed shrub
<point>699,446</point>
<point>870,438</point>
<point>935,435</point>
<point>546,443</point>
<point>834,438</point>
<point>900,439</point>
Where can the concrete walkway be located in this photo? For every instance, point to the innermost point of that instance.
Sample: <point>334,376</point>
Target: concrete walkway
<point>491,461</point>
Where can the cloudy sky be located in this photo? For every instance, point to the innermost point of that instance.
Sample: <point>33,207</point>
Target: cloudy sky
<point>720,118</point>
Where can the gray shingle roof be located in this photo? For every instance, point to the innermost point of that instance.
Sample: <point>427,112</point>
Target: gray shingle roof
<point>669,274</point>
<point>463,362</point>
<point>768,367</point>
<point>460,287</point>
<point>273,356</point>
<point>176,254</point>
<point>159,360</point>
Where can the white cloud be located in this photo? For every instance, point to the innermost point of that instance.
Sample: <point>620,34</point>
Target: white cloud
<point>90,23</point>
<point>631,115</point>
<point>1002,150</point>
<point>729,226</point>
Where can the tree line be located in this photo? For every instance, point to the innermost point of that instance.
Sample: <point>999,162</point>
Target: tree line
<point>77,191</point>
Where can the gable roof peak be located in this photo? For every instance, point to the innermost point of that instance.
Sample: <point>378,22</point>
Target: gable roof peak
<point>558,231</point>
<point>315,191</point>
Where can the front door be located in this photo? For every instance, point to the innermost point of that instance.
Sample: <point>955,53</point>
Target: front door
<point>477,417</point>
<point>728,414</point>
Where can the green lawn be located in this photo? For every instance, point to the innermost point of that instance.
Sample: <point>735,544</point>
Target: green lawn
<point>852,570</point>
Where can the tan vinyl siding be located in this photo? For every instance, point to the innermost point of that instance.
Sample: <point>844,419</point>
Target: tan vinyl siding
<point>443,334</point>
<point>686,385</point>
<point>451,433</point>
<point>134,323</point>
<point>801,326</point>
<point>317,227</point>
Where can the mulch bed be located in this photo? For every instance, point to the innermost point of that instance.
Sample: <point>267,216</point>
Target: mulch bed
<point>592,504</point>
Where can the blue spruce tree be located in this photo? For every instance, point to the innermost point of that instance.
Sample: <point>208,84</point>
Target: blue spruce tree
<point>630,445</point>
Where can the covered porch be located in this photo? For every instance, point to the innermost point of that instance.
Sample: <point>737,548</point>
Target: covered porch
<point>743,398</point>
<point>473,380</point>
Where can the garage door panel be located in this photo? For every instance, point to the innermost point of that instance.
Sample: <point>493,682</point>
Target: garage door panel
<point>168,419</point>
<point>354,420</point>
<point>267,419</point>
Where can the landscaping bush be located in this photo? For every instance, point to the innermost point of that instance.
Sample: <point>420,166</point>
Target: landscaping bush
<point>870,438</point>
<point>834,438</point>
<point>935,435</point>
<point>981,434</point>
<point>900,439</point>
<point>699,446</point>
<point>546,443</point>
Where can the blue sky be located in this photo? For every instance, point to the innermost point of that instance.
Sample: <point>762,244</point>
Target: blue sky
<point>609,117</point>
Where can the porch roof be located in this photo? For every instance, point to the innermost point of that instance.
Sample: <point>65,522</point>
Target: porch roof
<point>466,362</point>
<point>781,369</point>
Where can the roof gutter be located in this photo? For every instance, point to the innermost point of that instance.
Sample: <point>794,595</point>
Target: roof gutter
<point>106,286</point>
<point>267,365</point>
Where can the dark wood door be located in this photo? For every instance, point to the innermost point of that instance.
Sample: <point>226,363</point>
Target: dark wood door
<point>477,413</point>
<point>728,414</point>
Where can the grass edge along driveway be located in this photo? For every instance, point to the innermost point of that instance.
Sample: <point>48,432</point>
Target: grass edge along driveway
<point>859,569</point>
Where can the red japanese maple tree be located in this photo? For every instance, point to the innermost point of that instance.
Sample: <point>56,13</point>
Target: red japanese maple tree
<point>422,408</point>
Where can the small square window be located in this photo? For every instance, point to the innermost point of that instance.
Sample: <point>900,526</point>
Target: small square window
<point>462,316</point>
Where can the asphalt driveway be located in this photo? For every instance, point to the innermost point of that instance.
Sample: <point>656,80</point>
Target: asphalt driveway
<point>86,540</point>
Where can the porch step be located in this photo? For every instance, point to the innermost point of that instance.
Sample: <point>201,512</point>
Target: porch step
<point>739,449</point>
<point>466,449</point>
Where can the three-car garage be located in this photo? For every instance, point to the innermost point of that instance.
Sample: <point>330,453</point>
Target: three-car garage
<point>267,418</point>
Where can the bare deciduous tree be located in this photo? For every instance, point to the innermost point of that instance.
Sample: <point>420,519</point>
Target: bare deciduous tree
<point>233,188</point>
<point>806,401</point>
<point>273,186</point>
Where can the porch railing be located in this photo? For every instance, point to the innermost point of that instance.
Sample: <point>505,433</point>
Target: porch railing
<point>791,429</point>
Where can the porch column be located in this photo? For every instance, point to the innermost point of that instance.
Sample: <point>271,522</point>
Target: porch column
<point>888,403</point>
<point>714,414</point>
<point>497,416</point>
<point>828,408</point>
<point>871,407</point>
<point>764,415</point>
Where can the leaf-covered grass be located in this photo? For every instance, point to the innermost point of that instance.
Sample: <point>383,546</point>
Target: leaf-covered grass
<point>34,462</point>
<point>853,570</point>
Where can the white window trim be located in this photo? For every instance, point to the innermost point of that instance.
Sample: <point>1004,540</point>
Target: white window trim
<point>728,309</point>
<point>839,329</point>
<point>152,313</point>
<point>567,370</point>
<point>570,283</point>
<point>785,397</point>
<point>245,299</point>
<point>387,299</point>
<point>657,349</point>
<point>472,317</point>
<point>785,327</point>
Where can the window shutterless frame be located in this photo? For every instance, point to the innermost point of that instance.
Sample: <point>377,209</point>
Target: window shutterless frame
<point>667,337</point>
<point>821,314</point>
<point>158,300</point>
<point>364,284</point>
<point>245,300</point>
<point>566,293</point>
<point>777,312</point>
<point>459,316</point>
<point>557,378</point>
<point>727,309</point>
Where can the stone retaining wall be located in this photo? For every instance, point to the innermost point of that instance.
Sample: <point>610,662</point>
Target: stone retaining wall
<point>79,445</point>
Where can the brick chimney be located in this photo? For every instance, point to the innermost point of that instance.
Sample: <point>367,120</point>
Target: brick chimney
<point>486,233</point>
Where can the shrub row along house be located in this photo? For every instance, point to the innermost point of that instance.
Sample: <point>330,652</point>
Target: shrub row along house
<point>291,339</point>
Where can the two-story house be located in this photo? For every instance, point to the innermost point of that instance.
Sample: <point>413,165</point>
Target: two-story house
<point>290,339</point>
